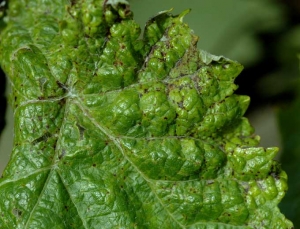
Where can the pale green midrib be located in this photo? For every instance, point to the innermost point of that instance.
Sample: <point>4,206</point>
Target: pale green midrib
<point>78,212</point>
<point>50,173</point>
<point>54,168</point>
<point>119,146</point>
<point>7,181</point>
<point>24,104</point>
<point>38,200</point>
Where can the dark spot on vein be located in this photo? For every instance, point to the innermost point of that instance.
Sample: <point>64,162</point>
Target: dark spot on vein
<point>43,138</point>
<point>107,36</point>
<point>61,85</point>
<point>94,165</point>
<point>62,102</point>
<point>63,153</point>
<point>81,130</point>
<point>86,35</point>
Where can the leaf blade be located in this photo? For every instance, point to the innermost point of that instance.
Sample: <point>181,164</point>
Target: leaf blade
<point>125,130</point>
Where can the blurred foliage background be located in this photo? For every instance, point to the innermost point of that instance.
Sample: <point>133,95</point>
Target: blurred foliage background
<point>264,36</point>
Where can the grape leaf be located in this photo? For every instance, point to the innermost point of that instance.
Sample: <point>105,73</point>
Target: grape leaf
<point>118,130</point>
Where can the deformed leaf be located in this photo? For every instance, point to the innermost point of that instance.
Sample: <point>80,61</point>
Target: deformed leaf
<point>117,131</point>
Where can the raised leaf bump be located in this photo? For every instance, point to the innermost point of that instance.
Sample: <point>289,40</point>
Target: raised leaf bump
<point>117,131</point>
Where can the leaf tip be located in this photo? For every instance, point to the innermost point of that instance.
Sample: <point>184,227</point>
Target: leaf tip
<point>183,13</point>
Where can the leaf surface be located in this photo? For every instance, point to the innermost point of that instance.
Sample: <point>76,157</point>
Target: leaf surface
<point>115,130</point>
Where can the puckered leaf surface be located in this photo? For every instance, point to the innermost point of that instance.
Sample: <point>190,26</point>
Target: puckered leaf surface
<point>118,130</point>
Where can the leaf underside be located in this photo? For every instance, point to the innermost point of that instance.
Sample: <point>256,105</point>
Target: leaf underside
<point>118,130</point>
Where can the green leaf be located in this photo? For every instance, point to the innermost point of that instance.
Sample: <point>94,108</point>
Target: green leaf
<point>117,131</point>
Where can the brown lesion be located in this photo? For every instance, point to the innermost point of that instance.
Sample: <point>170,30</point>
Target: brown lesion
<point>17,212</point>
<point>63,153</point>
<point>43,138</point>
<point>73,2</point>
<point>81,131</point>
<point>61,85</point>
